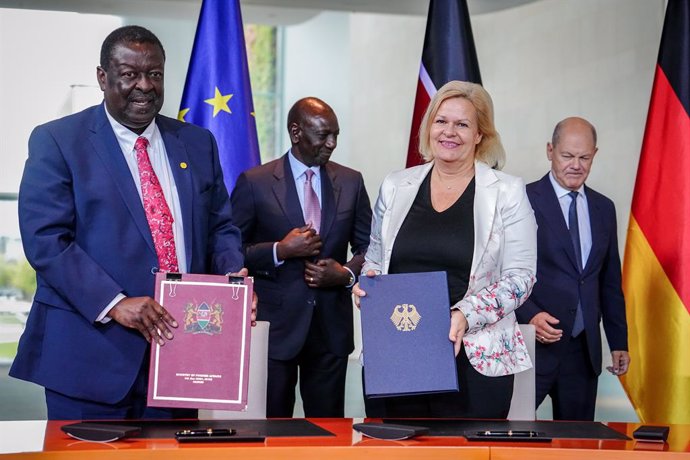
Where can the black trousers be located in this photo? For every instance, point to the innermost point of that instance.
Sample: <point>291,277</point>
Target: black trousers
<point>572,386</point>
<point>480,396</point>
<point>321,380</point>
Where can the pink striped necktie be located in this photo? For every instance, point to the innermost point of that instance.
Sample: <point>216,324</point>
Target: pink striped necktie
<point>157,211</point>
<point>312,209</point>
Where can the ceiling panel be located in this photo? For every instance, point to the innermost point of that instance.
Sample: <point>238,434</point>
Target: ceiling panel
<point>269,11</point>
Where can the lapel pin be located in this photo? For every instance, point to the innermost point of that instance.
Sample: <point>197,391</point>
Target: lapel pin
<point>183,165</point>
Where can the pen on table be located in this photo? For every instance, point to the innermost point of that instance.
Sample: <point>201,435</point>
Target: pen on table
<point>516,433</point>
<point>207,432</point>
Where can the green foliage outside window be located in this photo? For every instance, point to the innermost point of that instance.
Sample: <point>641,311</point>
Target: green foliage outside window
<point>261,54</point>
<point>17,286</point>
<point>17,279</point>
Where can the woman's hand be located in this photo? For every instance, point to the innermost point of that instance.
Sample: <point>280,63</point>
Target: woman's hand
<point>357,291</point>
<point>458,327</point>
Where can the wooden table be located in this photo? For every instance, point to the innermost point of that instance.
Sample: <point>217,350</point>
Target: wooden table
<point>346,444</point>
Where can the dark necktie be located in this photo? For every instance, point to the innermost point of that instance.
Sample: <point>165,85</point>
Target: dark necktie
<point>157,211</point>
<point>312,209</point>
<point>574,227</point>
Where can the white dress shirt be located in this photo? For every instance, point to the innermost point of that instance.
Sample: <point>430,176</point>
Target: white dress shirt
<point>583,221</point>
<point>299,170</point>
<point>161,166</point>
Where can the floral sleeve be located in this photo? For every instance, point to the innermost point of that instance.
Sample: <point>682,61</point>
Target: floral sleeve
<point>492,295</point>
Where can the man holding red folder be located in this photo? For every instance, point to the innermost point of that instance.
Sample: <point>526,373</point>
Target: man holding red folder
<point>110,196</point>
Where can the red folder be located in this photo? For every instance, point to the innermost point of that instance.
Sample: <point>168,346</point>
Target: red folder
<point>206,365</point>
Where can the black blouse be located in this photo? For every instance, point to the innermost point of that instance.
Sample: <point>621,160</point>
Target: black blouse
<point>429,240</point>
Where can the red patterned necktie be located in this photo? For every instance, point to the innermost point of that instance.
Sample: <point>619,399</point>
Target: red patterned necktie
<point>157,211</point>
<point>312,209</point>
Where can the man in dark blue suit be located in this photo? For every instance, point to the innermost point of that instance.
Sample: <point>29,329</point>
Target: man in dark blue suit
<point>578,277</point>
<point>299,260</point>
<point>89,238</point>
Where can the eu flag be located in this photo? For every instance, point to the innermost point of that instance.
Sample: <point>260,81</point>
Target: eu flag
<point>217,93</point>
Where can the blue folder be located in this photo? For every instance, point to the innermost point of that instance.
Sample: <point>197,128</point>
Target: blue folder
<point>405,325</point>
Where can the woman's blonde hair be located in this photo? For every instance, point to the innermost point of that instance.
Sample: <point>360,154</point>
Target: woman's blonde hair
<point>489,150</point>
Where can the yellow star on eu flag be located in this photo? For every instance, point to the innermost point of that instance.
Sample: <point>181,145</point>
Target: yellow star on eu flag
<point>181,114</point>
<point>219,102</point>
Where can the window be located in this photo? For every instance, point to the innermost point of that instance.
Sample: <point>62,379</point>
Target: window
<point>17,279</point>
<point>262,55</point>
<point>61,92</point>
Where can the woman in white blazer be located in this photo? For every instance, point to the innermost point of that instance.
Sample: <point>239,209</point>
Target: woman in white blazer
<point>460,214</point>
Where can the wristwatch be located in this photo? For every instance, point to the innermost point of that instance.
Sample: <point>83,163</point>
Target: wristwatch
<point>351,278</point>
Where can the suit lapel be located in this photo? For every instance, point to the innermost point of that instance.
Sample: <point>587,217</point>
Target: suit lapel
<point>485,199</point>
<point>330,194</point>
<point>286,194</point>
<point>550,208</point>
<point>598,228</point>
<point>405,194</point>
<point>108,149</point>
<point>177,155</point>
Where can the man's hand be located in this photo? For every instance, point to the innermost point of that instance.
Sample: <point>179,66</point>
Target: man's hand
<point>620,361</point>
<point>145,315</point>
<point>255,298</point>
<point>357,291</point>
<point>325,273</point>
<point>299,242</point>
<point>458,326</point>
<point>545,332</point>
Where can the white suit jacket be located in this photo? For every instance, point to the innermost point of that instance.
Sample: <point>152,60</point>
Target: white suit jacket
<point>503,263</point>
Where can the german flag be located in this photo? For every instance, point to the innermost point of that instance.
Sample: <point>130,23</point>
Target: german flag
<point>656,269</point>
<point>448,54</point>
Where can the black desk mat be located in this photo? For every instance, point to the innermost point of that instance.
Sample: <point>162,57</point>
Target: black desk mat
<point>269,428</point>
<point>550,429</point>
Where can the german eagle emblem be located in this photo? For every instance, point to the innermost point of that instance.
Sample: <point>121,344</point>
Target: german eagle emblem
<point>405,317</point>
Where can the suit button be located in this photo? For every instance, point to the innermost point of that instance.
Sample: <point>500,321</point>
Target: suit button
<point>311,302</point>
<point>582,282</point>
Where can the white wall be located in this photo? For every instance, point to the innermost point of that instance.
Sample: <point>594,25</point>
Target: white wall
<point>36,74</point>
<point>386,51</point>
<point>317,63</point>
<point>51,74</point>
<point>541,62</point>
<point>551,59</point>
